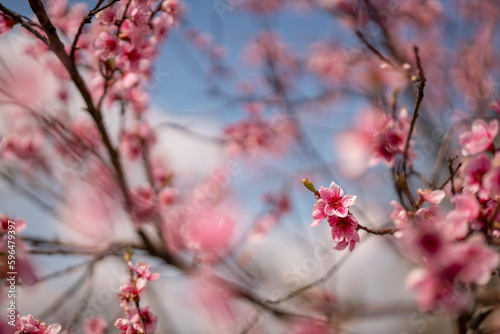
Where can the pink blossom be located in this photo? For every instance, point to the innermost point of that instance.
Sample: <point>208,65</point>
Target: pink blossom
<point>425,241</point>
<point>125,326</point>
<point>24,146</point>
<point>6,24</point>
<point>30,325</point>
<point>18,224</point>
<point>168,196</point>
<point>106,46</point>
<point>376,138</point>
<point>491,180</point>
<point>343,228</point>
<point>344,243</point>
<point>431,217</point>
<point>24,267</point>
<point>431,196</point>
<point>130,291</point>
<point>432,287</point>
<point>473,174</point>
<point>86,132</point>
<point>95,326</point>
<point>136,139</point>
<point>355,145</point>
<point>495,106</point>
<point>391,140</point>
<point>255,133</point>
<point>387,144</point>
<point>172,7</point>
<point>458,226</point>
<point>318,213</point>
<point>108,16</point>
<point>480,138</point>
<point>478,260</point>
<point>467,205</point>
<point>143,271</point>
<point>400,218</point>
<point>336,204</point>
<point>149,319</point>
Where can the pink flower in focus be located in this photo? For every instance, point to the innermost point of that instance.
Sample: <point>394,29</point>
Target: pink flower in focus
<point>343,228</point>
<point>150,320</point>
<point>95,326</point>
<point>318,213</point>
<point>30,325</point>
<point>336,204</point>
<point>351,244</point>
<point>480,138</point>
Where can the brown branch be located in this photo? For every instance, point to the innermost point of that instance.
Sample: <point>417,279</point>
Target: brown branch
<point>26,24</point>
<point>300,290</point>
<point>377,232</point>
<point>379,54</point>
<point>56,46</point>
<point>420,96</point>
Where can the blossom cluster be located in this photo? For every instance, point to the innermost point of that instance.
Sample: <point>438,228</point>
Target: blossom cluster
<point>333,205</point>
<point>456,249</point>
<point>31,325</point>
<point>256,133</point>
<point>377,138</point>
<point>139,319</point>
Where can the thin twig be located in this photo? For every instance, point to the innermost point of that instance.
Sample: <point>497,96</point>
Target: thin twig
<point>88,19</point>
<point>300,290</point>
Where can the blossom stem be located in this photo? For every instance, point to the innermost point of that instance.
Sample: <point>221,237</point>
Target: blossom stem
<point>377,232</point>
